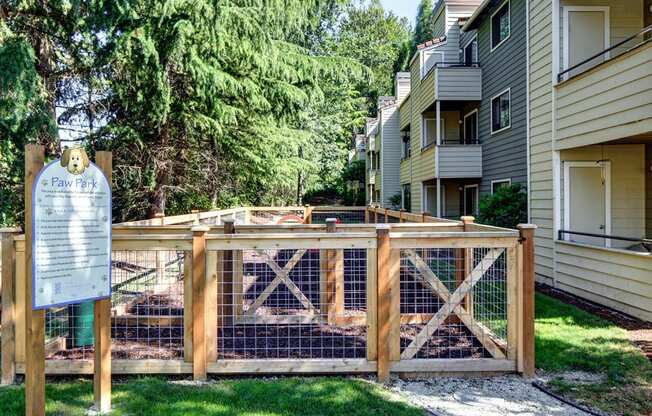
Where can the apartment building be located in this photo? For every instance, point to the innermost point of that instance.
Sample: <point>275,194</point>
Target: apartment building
<point>383,154</point>
<point>441,161</point>
<point>590,142</point>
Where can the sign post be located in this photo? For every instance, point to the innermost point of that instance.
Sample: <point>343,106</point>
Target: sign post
<point>68,256</point>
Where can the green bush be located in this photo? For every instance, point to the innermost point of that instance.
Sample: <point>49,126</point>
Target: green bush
<point>507,207</point>
<point>395,200</point>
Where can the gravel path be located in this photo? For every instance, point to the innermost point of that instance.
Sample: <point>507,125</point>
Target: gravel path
<point>496,396</point>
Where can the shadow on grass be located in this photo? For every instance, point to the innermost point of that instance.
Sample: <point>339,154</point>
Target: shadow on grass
<point>282,396</point>
<point>568,338</point>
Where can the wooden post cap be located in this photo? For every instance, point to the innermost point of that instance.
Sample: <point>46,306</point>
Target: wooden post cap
<point>527,226</point>
<point>200,229</point>
<point>331,223</point>
<point>467,219</point>
<point>159,215</point>
<point>194,211</point>
<point>383,226</point>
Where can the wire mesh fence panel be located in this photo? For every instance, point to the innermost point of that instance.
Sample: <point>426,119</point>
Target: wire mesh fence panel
<point>342,217</point>
<point>453,303</point>
<point>146,312</point>
<point>281,216</point>
<point>291,304</point>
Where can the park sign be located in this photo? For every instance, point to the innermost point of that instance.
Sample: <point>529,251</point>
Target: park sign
<point>71,239</point>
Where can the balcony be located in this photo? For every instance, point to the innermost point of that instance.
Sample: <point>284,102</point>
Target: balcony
<point>607,96</point>
<point>457,159</point>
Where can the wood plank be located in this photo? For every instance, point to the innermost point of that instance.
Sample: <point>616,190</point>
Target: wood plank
<point>512,328</point>
<point>213,260</point>
<point>291,241</point>
<point>118,367</point>
<point>102,320</point>
<point>395,305</point>
<point>372,305</point>
<point>34,320</point>
<point>339,282</point>
<point>384,303</point>
<point>7,336</point>
<point>187,306</point>
<point>280,366</point>
<point>519,309</point>
<point>453,302</point>
<point>198,302</point>
<point>238,285</point>
<point>20,307</point>
<point>445,240</point>
<point>454,365</point>
<point>527,241</point>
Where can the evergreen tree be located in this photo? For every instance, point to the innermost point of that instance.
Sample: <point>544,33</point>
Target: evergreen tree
<point>423,30</point>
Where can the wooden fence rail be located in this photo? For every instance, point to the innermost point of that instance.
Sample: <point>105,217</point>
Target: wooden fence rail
<point>370,297</point>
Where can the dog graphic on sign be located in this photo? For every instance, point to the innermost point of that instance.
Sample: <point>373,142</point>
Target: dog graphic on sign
<point>75,160</point>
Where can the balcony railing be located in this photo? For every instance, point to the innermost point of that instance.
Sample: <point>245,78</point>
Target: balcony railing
<point>645,243</point>
<point>643,36</point>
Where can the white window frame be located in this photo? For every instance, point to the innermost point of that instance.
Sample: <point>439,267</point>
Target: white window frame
<point>491,24</point>
<point>475,53</point>
<point>477,198</point>
<point>477,122</point>
<point>423,130</point>
<point>508,180</point>
<point>566,30</point>
<point>423,61</point>
<point>491,105</point>
<point>606,165</point>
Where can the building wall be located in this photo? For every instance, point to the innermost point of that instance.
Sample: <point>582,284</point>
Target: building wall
<point>627,186</point>
<point>391,153</point>
<point>541,158</point>
<point>505,153</point>
<point>648,190</point>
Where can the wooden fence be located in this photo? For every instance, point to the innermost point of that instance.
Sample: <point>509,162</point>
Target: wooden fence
<point>295,290</point>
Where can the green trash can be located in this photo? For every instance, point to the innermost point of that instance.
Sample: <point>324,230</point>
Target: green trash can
<point>81,330</point>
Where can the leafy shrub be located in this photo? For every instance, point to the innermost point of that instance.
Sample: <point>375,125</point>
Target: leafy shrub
<point>507,207</point>
<point>395,201</point>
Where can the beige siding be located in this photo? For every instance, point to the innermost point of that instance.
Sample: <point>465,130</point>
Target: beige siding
<point>608,102</point>
<point>627,186</point>
<point>625,19</point>
<point>540,83</point>
<point>390,153</point>
<point>648,191</point>
<point>404,112</point>
<point>614,278</point>
<point>405,171</point>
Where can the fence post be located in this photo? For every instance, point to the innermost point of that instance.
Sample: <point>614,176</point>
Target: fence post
<point>213,281</point>
<point>34,319</point>
<point>8,337</point>
<point>375,215</point>
<point>400,215</point>
<point>198,301</point>
<point>102,322</point>
<point>366,215</point>
<point>527,331</point>
<point>331,279</point>
<point>383,301</point>
<point>307,214</point>
<point>386,216</point>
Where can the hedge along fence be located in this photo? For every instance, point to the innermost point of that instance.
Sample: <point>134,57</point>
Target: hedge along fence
<point>234,292</point>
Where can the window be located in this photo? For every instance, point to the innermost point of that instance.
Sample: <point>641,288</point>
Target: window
<point>405,149</point>
<point>471,53</point>
<point>500,25</point>
<point>500,111</point>
<point>501,183</point>
<point>407,197</point>
<point>429,132</point>
<point>471,127</point>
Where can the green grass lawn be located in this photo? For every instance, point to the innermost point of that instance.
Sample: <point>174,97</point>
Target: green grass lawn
<point>568,338</point>
<point>256,397</point>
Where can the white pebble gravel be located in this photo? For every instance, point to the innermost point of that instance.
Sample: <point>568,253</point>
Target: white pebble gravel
<point>496,396</point>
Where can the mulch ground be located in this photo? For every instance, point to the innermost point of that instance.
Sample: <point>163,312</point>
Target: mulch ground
<point>640,332</point>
